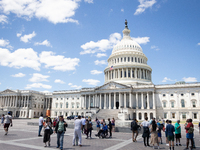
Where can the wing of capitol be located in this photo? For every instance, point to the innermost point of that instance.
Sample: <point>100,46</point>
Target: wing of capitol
<point>128,92</point>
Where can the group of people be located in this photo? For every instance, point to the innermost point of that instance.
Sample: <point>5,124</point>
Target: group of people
<point>154,130</point>
<point>6,121</point>
<point>82,125</point>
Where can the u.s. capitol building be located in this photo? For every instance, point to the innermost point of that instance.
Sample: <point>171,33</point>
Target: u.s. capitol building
<point>128,91</point>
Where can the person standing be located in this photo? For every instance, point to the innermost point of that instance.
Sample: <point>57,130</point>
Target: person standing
<point>113,124</point>
<point>7,122</point>
<point>134,128</point>
<point>170,134</point>
<point>83,123</point>
<point>77,131</point>
<point>154,134</point>
<point>160,128</point>
<point>145,124</point>
<point>41,119</point>
<point>189,127</point>
<point>98,125</point>
<point>110,127</point>
<point>167,142</point>
<point>90,127</point>
<point>178,132</point>
<point>60,130</point>
<point>47,132</point>
<point>86,128</point>
<point>2,119</point>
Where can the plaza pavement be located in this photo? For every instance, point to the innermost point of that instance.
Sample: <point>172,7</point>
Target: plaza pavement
<point>24,137</point>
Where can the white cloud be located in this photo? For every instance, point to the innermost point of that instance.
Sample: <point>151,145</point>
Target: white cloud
<point>198,44</point>
<point>70,84</point>
<point>28,37</point>
<point>45,42</point>
<point>59,81</point>
<point>141,40</point>
<point>190,79</point>
<point>101,45</point>
<point>20,58</point>
<point>101,55</point>
<point>18,75</point>
<point>74,86</point>
<point>38,85</point>
<point>55,11</point>
<point>58,62</point>
<point>88,1</point>
<point>0,83</point>
<point>19,34</point>
<point>167,79</point>
<point>122,10</point>
<point>100,62</point>
<point>144,4</point>
<point>37,77</point>
<point>4,43</point>
<point>3,19</point>
<point>91,81</point>
<point>95,72</point>
<point>155,47</point>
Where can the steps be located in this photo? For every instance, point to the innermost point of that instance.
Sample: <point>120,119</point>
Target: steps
<point>106,113</point>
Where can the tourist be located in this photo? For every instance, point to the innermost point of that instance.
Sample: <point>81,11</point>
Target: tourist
<point>167,142</point>
<point>83,123</point>
<point>41,119</point>
<point>2,119</point>
<point>170,134</point>
<point>154,134</point>
<point>145,124</point>
<point>178,132</point>
<point>90,127</point>
<point>134,128</point>
<point>87,128</point>
<point>7,122</point>
<point>113,124</point>
<point>189,127</point>
<point>105,129</point>
<point>47,131</point>
<point>160,128</point>
<point>77,131</point>
<point>98,125</point>
<point>54,122</point>
<point>110,127</point>
<point>60,130</point>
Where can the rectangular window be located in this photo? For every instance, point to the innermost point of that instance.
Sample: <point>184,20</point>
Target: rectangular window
<point>77,105</point>
<point>138,59</point>
<point>61,105</point>
<point>173,115</point>
<point>128,59</point>
<point>164,104</point>
<point>172,104</point>
<point>165,115</point>
<point>195,116</point>
<point>135,59</point>
<point>60,113</point>
<point>193,104</point>
<point>182,103</point>
<point>55,113</point>
<point>125,74</point>
<point>56,98</point>
<point>124,59</point>
<point>129,74</point>
<point>66,114</point>
<point>118,59</point>
<point>184,116</point>
<point>56,105</point>
<point>132,59</point>
<point>121,59</point>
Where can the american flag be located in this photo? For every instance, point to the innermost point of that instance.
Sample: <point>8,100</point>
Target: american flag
<point>111,68</point>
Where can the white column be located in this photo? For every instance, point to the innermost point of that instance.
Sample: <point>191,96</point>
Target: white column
<point>100,101</point>
<point>147,100</point>
<point>135,75</point>
<point>124,100</point>
<point>122,73</point>
<point>126,72</point>
<point>136,100</point>
<point>93,100</point>
<point>131,72</point>
<point>130,99</point>
<point>85,101</point>
<point>118,74</point>
<point>104,100</point>
<point>89,102</point>
<point>114,101</point>
<point>109,100</point>
<point>142,101</point>
<point>114,74</point>
<point>120,103</point>
<point>154,102</point>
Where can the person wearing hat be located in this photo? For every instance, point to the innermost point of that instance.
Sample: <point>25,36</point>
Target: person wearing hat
<point>7,122</point>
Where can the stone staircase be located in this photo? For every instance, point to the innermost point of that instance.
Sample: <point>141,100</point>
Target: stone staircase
<point>106,113</point>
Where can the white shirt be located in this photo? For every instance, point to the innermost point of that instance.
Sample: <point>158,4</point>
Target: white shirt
<point>145,123</point>
<point>77,124</point>
<point>7,118</point>
<point>83,121</point>
<point>47,125</point>
<point>41,119</point>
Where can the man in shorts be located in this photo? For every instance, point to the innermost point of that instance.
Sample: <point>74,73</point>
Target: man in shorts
<point>170,134</point>
<point>178,132</point>
<point>7,122</point>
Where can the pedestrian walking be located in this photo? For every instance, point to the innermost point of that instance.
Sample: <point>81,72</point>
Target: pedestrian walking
<point>54,123</point>
<point>77,131</point>
<point>60,130</point>
<point>113,124</point>
<point>2,119</point>
<point>41,119</point>
<point>87,128</point>
<point>145,124</point>
<point>110,127</point>
<point>154,134</point>
<point>83,123</point>
<point>167,142</point>
<point>47,131</point>
<point>7,122</point>
<point>189,127</point>
<point>90,127</point>
<point>160,129</point>
<point>178,133</point>
<point>134,128</point>
<point>170,134</point>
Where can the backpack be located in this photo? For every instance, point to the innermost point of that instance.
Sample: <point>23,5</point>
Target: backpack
<point>191,130</point>
<point>134,125</point>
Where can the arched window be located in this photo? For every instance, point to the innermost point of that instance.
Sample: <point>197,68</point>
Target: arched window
<point>121,59</point>
<point>164,104</point>
<point>66,114</point>
<point>67,105</point>
<point>77,105</point>
<point>61,105</point>
<point>172,104</point>
<point>56,105</point>
<point>182,103</point>
<point>72,105</point>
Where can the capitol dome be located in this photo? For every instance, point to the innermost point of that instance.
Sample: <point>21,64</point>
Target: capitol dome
<point>128,64</point>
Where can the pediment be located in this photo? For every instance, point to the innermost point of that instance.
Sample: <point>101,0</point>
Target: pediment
<point>7,91</point>
<point>112,85</point>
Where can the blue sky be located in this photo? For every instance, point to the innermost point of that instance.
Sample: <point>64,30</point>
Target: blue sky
<point>49,45</point>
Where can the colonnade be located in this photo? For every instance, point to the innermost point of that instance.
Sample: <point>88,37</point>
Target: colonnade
<point>131,73</point>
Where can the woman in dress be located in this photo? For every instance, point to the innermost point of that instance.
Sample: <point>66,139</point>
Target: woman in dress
<point>154,134</point>
<point>47,126</point>
<point>113,124</point>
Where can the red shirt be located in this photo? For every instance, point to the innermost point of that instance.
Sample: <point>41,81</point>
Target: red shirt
<point>188,126</point>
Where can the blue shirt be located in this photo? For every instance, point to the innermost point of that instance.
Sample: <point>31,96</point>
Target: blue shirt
<point>170,130</point>
<point>105,128</point>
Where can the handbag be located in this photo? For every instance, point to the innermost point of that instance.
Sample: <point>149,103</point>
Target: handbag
<point>51,130</point>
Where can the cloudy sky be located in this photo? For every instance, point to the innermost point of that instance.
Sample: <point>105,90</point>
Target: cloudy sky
<point>50,45</point>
